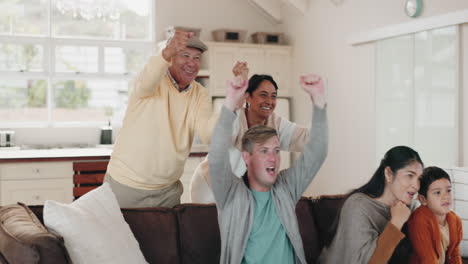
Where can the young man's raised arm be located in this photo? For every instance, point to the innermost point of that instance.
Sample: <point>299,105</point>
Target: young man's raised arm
<point>222,177</point>
<point>307,165</point>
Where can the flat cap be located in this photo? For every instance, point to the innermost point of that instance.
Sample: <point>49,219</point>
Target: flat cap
<point>195,42</point>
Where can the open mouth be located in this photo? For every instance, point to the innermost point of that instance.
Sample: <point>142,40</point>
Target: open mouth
<point>411,194</point>
<point>266,108</point>
<point>271,170</point>
<point>446,204</point>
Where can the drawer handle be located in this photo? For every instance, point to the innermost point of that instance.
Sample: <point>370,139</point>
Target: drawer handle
<point>37,197</point>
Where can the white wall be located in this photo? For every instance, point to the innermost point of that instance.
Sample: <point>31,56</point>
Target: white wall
<point>210,15</point>
<point>320,40</point>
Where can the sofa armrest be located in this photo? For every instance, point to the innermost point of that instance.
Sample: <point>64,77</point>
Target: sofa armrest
<point>23,238</point>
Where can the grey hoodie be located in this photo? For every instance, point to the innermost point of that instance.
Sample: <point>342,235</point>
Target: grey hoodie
<point>234,201</point>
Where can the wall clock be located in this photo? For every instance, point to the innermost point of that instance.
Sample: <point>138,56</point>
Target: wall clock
<point>413,7</point>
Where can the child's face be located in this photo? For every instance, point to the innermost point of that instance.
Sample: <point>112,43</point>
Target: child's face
<point>439,197</point>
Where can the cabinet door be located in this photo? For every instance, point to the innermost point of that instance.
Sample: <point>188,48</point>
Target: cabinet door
<point>222,60</point>
<point>255,59</point>
<point>36,192</point>
<point>278,65</point>
<point>35,182</point>
<point>36,170</point>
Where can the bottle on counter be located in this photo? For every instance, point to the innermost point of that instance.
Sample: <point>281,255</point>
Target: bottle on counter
<point>106,135</point>
<point>7,138</point>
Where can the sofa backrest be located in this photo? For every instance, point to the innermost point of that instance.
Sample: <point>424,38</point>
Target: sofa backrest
<point>308,229</point>
<point>157,232</point>
<point>325,211</point>
<point>199,222</point>
<point>199,236</point>
<point>189,233</point>
<point>155,229</point>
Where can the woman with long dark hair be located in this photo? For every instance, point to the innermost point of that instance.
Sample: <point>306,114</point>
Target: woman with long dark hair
<point>371,219</point>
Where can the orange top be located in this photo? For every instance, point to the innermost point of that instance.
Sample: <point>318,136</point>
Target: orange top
<point>425,236</point>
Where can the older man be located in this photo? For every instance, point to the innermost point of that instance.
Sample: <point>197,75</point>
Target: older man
<point>166,108</point>
<point>257,213</point>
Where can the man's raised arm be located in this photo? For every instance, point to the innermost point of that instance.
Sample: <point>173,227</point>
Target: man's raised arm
<point>307,165</point>
<point>148,79</point>
<point>222,177</point>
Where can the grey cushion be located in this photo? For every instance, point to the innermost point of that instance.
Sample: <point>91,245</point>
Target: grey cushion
<point>23,238</point>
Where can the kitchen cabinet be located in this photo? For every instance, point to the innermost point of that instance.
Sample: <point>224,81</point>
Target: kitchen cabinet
<point>278,64</point>
<point>274,60</point>
<point>65,174</point>
<point>34,182</point>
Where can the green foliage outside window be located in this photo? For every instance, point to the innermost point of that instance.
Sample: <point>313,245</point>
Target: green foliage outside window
<point>74,94</point>
<point>37,93</point>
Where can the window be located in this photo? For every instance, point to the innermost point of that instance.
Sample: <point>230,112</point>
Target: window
<point>70,61</point>
<point>417,94</point>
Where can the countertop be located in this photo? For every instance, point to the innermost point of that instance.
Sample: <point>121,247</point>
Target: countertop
<point>54,153</point>
<point>104,152</point>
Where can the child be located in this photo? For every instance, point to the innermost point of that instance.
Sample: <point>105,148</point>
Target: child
<point>434,230</point>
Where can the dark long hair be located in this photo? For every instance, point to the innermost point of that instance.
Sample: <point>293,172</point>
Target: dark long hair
<point>257,79</point>
<point>396,158</point>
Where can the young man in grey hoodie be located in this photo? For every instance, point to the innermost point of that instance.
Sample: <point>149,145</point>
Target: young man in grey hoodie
<point>256,214</point>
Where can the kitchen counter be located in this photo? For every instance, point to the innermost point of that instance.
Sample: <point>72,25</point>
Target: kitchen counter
<point>54,154</point>
<point>63,154</point>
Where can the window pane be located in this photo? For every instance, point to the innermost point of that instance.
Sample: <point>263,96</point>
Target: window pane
<point>21,57</point>
<point>23,100</point>
<point>120,60</point>
<point>135,19</point>
<point>394,99</point>
<point>23,17</point>
<point>436,94</point>
<point>417,94</point>
<point>90,100</point>
<point>110,19</point>
<point>76,59</point>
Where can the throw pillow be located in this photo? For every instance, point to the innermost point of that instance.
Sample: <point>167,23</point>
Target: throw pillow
<point>25,240</point>
<point>94,229</point>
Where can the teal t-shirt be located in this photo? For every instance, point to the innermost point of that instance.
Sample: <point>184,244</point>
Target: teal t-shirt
<point>268,241</point>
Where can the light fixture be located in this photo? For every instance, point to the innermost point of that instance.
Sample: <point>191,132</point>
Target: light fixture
<point>90,9</point>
